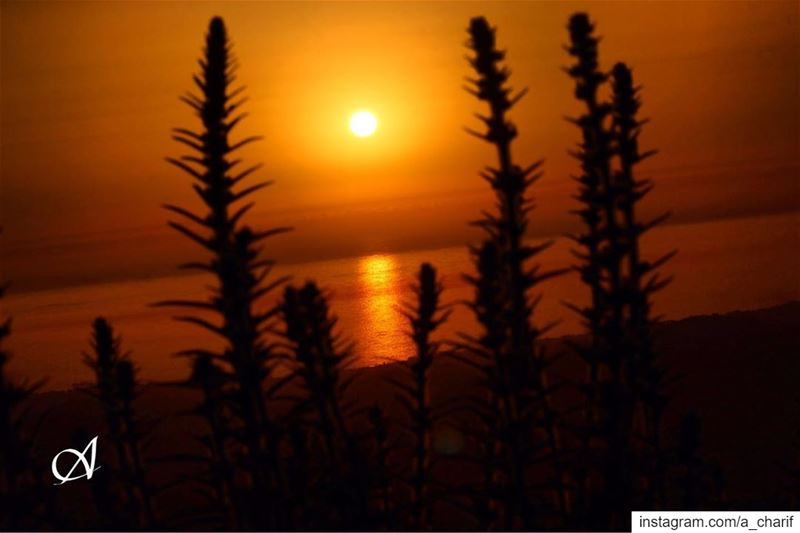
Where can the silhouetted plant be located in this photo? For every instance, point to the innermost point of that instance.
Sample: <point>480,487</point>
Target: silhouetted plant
<point>381,476</point>
<point>247,360</point>
<point>642,277</point>
<point>487,307</point>
<point>624,395</point>
<point>792,469</point>
<point>698,483</point>
<point>424,317</point>
<point>608,407</point>
<point>300,475</point>
<point>692,480</point>
<point>110,514</point>
<point>594,156</point>
<point>526,422</point>
<point>322,358</point>
<point>117,390</point>
<point>22,498</point>
<point>211,380</point>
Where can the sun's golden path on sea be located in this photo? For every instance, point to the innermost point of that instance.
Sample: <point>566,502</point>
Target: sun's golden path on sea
<point>379,285</point>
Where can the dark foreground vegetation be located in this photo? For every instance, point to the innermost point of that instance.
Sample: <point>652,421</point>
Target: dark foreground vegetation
<point>495,429</point>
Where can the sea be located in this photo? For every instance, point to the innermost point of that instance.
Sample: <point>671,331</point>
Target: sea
<point>721,266</point>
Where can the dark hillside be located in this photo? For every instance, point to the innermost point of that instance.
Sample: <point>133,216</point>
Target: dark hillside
<point>738,372</point>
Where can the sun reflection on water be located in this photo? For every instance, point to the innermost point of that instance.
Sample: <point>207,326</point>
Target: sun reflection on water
<point>382,324</point>
<point>377,272</point>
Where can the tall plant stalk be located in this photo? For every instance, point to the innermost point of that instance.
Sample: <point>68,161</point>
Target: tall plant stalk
<point>214,409</point>
<point>116,389</point>
<point>21,496</point>
<point>595,159</point>
<point>235,263</point>
<point>382,476</point>
<point>424,317</point>
<point>487,305</point>
<point>623,378</point>
<point>792,469</point>
<point>520,369</point>
<point>309,329</point>
<point>642,279</point>
<point>321,358</point>
<point>594,154</point>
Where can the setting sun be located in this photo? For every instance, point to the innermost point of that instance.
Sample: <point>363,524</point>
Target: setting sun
<point>363,124</point>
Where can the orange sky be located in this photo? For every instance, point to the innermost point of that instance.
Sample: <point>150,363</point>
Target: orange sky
<point>89,94</point>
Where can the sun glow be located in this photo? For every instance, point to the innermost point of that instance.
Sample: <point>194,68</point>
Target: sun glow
<point>363,124</point>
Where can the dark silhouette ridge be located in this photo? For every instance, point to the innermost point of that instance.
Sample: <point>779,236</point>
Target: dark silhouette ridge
<point>697,347</point>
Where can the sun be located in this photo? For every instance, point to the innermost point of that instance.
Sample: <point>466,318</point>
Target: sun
<point>363,124</point>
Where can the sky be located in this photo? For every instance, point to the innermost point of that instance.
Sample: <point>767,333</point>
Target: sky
<point>89,93</point>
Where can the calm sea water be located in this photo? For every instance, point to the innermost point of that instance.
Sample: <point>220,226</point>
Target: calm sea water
<point>721,266</point>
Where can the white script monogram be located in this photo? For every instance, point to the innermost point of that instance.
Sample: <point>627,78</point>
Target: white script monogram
<point>88,466</point>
